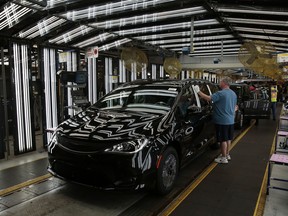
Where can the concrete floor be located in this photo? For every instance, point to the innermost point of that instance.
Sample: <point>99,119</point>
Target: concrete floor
<point>276,202</point>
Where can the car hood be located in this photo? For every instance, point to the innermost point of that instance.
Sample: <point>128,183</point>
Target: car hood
<point>113,125</point>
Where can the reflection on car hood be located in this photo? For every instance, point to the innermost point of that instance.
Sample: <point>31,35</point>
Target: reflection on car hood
<point>111,125</point>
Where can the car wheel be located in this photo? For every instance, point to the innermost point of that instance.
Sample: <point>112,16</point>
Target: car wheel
<point>167,171</point>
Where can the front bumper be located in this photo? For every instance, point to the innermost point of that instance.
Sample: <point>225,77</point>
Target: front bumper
<point>103,170</point>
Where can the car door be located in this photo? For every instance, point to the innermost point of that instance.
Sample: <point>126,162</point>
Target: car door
<point>258,104</point>
<point>206,113</point>
<point>189,122</point>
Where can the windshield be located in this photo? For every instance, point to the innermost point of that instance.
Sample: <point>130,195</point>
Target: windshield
<point>149,98</point>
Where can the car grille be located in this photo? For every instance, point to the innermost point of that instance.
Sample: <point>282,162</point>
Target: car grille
<point>98,176</point>
<point>81,145</point>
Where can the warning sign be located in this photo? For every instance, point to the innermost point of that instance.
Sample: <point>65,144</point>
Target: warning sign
<point>92,52</point>
<point>282,57</point>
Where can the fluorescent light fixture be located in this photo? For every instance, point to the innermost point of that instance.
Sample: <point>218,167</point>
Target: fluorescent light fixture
<point>47,92</point>
<point>263,37</point>
<point>209,54</point>
<point>11,15</point>
<point>92,80</point>
<point>67,37</point>
<point>201,44</point>
<point>18,97</point>
<point>113,8</point>
<point>107,89</point>
<point>43,27</point>
<point>147,18</point>
<point>158,28</point>
<point>257,21</point>
<point>22,97</point>
<point>114,44</point>
<point>52,3</point>
<point>53,87</point>
<point>161,71</point>
<point>122,71</point>
<point>244,11</point>
<point>50,83</point>
<point>94,40</point>
<point>181,34</point>
<point>216,49</point>
<point>26,93</point>
<point>205,47</point>
<point>281,49</point>
<point>154,68</point>
<point>258,30</point>
<point>183,40</point>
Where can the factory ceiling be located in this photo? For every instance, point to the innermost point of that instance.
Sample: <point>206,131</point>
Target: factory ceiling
<point>161,27</point>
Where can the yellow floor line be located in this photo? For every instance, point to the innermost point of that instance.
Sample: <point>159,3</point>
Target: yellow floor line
<point>24,184</point>
<point>260,205</point>
<point>177,201</point>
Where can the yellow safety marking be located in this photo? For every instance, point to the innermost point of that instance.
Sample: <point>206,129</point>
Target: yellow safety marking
<point>177,201</point>
<point>260,205</point>
<point>24,184</point>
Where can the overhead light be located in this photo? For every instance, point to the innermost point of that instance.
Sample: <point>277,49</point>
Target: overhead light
<point>146,18</point>
<point>42,3</point>
<point>258,30</point>
<point>183,40</point>
<point>257,21</point>
<point>158,28</point>
<point>95,40</point>
<point>181,34</point>
<point>68,36</point>
<point>213,53</point>
<point>114,44</point>
<point>242,11</point>
<point>112,8</point>
<point>11,15</point>
<point>43,27</point>
<point>264,37</point>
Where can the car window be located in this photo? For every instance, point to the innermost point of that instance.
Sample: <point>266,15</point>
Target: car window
<point>140,97</point>
<point>205,90</point>
<point>186,100</point>
<point>213,87</point>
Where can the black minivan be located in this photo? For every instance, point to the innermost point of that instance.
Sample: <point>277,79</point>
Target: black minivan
<point>137,136</point>
<point>253,104</point>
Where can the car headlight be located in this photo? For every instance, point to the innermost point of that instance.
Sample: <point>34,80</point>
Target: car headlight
<point>128,147</point>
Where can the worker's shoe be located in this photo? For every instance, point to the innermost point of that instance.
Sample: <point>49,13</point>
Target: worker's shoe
<point>222,160</point>
<point>228,157</point>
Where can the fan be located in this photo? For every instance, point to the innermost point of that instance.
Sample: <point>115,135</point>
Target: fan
<point>258,56</point>
<point>172,66</point>
<point>134,58</point>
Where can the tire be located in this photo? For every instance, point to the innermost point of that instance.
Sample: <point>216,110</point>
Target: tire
<point>167,172</point>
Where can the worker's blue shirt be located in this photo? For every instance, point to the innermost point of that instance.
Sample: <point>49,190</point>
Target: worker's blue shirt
<point>224,103</point>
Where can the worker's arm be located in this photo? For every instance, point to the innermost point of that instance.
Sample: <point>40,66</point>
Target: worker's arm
<point>201,94</point>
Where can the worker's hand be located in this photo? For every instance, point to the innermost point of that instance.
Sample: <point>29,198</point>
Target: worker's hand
<point>196,88</point>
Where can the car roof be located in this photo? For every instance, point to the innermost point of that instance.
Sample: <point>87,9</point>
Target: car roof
<point>172,82</point>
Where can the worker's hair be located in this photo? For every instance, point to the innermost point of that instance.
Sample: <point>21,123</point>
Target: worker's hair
<point>226,80</point>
